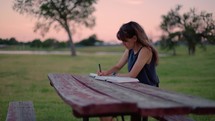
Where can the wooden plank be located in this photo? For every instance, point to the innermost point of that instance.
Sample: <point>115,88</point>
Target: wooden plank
<point>174,118</point>
<point>198,105</point>
<point>21,111</point>
<point>150,105</point>
<point>85,101</point>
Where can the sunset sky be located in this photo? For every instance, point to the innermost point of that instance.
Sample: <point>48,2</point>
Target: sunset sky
<point>110,15</point>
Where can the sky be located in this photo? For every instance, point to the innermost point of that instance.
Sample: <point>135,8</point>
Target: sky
<point>110,15</point>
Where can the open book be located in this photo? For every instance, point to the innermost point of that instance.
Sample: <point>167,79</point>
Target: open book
<point>115,79</point>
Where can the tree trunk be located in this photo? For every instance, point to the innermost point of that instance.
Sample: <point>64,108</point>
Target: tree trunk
<point>174,51</point>
<point>72,46</point>
<point>191,49</point>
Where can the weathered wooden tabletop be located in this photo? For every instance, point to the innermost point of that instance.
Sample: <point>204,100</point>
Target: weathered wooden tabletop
<point>89,98</point>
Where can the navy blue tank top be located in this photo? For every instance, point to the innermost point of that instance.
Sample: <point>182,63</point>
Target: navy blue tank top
<point>148,73</point>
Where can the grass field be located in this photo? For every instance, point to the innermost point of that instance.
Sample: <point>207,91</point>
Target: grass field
<point>24,77</point>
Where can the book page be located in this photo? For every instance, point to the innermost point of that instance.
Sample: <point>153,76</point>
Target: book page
<point>115,79</point>
<point>120,79</point>
<point>93,75</point>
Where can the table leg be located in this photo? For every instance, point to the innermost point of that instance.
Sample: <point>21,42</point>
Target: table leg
<point>135,117</point>
<point>85,118</point>
<point>144,118</point>
<point>122,118</point>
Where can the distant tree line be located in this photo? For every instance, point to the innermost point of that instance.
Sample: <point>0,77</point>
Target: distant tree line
<point>36,43</point>
<point>50,43</point>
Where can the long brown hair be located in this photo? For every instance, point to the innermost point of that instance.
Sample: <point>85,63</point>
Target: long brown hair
<point>130,29</point>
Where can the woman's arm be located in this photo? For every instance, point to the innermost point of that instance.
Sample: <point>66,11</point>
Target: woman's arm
<point>118,66</point>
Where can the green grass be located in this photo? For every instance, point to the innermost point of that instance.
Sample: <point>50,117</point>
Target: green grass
<point>24,77</point>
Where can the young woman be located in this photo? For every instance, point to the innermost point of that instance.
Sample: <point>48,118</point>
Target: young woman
<point>140,56</point>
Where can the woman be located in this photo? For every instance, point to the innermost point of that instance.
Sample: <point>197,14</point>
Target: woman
<point>139,54</point>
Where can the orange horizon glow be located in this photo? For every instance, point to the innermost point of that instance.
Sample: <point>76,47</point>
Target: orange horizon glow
<point>110,15</point>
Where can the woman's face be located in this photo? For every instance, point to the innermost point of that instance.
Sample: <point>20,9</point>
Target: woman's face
<point>129,42</point>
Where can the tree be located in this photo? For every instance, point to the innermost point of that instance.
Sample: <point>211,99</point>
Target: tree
<point>169,42</point>
<point>49,43</point>
<point>58,13</point>
<point>36,43</point>
<point>12,41</point>
<point>191,27</point>
<point>91,41</point>
<point>62,45</point>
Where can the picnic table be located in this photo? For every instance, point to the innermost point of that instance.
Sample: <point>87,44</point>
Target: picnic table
<point>93,98</point>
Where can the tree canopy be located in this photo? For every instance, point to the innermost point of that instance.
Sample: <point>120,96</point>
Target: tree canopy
<point>191,28</point>
<point>66,14</point>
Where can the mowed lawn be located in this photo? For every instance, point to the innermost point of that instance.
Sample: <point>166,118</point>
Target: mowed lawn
<point>24,77</point>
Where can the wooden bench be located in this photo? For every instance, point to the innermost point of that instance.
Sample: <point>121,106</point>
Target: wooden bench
<point>21,111</point>
<point>174,118</point>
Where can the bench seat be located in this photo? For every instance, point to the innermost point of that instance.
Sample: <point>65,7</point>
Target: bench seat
<point>21,111</point>
<point>174,118</point>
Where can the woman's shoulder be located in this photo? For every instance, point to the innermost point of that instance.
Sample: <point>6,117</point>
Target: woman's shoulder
<point>146,50</point>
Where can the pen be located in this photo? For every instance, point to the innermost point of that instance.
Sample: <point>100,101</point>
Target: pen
<point>100,70</point>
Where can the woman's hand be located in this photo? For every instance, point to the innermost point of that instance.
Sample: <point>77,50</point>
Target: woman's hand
<point>102,73</point>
